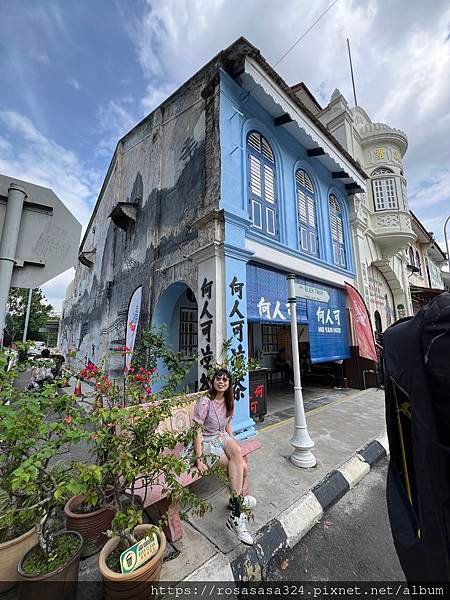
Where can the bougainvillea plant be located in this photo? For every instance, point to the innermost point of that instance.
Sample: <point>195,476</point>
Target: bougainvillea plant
<point>129,445</point>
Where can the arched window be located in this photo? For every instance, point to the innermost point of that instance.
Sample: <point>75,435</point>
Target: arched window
<point>383,188</point>
<point>337,231</point>
<point>382,171</point>
<point>378,326</point>
<point>418,262</point>
<point>261,183</point>
<point>307,216</point>
<point>411,256</point>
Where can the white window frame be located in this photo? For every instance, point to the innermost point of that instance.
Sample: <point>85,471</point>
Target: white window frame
<point>188,333</point>
<point>384,190</point>
<point>337,231</point>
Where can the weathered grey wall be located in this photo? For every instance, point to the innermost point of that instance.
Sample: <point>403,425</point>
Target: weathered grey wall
<point>161,165</point>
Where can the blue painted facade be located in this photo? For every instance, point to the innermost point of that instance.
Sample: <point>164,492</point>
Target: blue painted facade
<point>240,115</point>
<point>290,156</point>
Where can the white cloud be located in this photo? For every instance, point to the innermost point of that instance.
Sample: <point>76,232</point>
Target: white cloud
<point>41,161</point>
<point>401,59</point>
<point>155,96</point>
<point>115,119</point>
<point>55,289</point>
<point>74,83</point>
<point>435,190</point>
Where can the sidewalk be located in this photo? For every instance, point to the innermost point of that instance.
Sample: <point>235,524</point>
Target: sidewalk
<point>290,500</point>
<point>339,430</point>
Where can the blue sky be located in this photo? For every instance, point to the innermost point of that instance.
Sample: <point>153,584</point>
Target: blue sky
<point>77,75</point>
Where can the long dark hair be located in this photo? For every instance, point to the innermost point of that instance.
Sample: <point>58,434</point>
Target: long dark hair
<point>228,394</point>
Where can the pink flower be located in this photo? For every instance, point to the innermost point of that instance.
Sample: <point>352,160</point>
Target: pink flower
<point>68,419</point>
<point>89,371</point>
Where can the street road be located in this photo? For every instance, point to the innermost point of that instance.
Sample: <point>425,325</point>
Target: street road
<point>352,542</point>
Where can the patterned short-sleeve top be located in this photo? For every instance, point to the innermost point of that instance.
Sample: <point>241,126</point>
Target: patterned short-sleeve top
<point>211,415</point>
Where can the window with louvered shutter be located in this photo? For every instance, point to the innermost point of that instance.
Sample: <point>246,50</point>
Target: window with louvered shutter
<point>262,184</point>
<point>418,262</point>
<point>307,218</point>
<point>384,193</point>
<point>337,231</point>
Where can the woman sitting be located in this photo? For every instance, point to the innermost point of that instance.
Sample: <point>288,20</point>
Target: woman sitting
<point>214,444</point>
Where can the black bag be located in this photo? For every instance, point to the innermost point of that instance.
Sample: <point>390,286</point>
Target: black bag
<point>417,368</point>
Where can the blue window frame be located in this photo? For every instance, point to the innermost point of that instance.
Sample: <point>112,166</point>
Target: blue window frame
<point>337,231</point>
<point>307,213</point>
<point>262,197</point>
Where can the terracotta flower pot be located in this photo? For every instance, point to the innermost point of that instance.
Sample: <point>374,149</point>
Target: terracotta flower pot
<point>91,525</point>
<point>132,586</point>
<point>59,584</point>
<point>10,554</point>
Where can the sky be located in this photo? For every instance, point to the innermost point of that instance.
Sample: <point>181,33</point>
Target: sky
<point>76,76</point>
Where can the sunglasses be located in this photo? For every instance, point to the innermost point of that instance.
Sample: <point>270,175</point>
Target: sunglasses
<point>222,378</point>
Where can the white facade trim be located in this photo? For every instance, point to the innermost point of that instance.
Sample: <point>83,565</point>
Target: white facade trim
<point>278,259</point>
<point>262,79</point>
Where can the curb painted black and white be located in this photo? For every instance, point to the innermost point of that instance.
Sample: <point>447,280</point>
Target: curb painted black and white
<point>284,533</point>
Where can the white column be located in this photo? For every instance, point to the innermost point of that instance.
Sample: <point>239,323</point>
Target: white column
<point>302,455</point>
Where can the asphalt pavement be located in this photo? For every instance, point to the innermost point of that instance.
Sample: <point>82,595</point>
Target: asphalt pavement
<point>352,542</point>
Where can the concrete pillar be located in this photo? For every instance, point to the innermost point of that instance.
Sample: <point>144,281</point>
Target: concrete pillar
<point>210,300</point>
<point>8,246</point>
<point>235,284</point>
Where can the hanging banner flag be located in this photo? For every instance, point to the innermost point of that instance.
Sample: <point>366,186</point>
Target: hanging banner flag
<point>363,327</point>
<point>134,311</point>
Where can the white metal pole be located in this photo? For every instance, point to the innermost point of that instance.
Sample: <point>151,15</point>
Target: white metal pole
<point>27,315</point>
<point>8,246</point>
<point>446,241</point>
<point>302,455</point>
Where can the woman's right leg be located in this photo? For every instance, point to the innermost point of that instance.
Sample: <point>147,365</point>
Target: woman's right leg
<point>235,466</point>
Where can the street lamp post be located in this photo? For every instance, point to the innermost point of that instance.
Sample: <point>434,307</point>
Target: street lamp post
<point>302,455</point>
<point>446,241</point>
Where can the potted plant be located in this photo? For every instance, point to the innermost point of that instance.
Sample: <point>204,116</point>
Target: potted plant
<point>17,532</point>
<point>127,443</point>
<point>36,431</point>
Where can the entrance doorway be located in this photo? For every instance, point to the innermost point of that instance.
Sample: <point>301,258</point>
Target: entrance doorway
<point>267,341</point>
<point>177,309</point>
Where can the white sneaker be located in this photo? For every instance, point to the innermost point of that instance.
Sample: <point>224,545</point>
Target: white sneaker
<point>247,502</point>
<point>238,527</point>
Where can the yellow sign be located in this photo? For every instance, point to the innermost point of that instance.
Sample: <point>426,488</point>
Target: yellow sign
<point>140,553</point>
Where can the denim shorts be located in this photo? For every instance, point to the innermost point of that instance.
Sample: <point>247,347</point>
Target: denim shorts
<point>214,448</point>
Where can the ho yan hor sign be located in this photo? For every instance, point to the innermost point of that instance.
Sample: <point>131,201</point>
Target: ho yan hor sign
<point>309,292</point>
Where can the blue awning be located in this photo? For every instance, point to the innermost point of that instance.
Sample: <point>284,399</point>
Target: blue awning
<point>328,326</point>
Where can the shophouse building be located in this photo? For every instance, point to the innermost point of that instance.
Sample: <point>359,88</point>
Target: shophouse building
<point>227,187</point>
<point>381,223</point>
<point>425,261</point>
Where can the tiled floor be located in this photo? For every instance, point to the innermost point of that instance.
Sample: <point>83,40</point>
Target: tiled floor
<point>280,401</point>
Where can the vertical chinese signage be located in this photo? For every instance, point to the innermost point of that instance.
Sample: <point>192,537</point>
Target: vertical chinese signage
<point>257,394</point>
<point>206,321</point>
<point>237,323</point>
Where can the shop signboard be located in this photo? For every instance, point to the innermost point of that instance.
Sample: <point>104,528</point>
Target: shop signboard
<point>323,309</point>
<point>311,292</point>
<point>328,327</point>
<point>435,276</point>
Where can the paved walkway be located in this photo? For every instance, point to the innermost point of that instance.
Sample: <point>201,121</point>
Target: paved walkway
<point>338,428</point>
<point>340,422</point>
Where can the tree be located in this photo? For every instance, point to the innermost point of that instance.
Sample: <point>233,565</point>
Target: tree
<point>17,308</point>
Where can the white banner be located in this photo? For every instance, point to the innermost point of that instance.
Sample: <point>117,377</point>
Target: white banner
<point>134,311</point>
